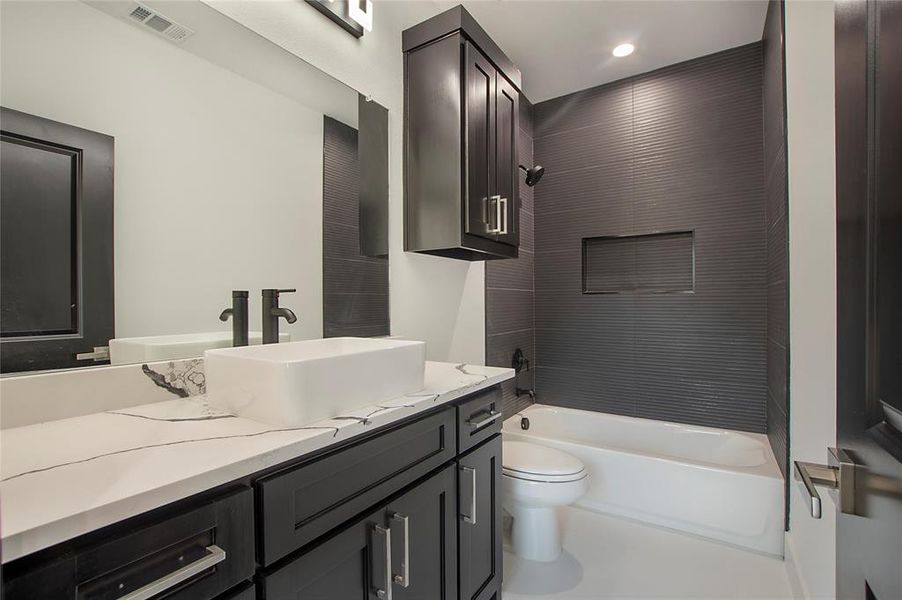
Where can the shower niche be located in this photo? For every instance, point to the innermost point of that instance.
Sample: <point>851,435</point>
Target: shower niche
<point>461,166</point>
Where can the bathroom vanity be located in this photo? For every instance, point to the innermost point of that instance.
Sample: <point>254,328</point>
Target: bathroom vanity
<point>397,500</point>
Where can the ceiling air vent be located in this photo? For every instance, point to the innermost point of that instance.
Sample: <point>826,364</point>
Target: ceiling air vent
<point>160,24</point>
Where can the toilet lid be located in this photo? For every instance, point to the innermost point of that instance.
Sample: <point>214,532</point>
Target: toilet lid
<point>539,463</point>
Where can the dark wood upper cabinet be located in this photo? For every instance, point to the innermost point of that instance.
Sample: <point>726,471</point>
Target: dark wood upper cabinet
<point>461,111</point>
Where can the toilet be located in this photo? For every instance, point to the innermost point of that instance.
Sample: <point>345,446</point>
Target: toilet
<point>536,480</point>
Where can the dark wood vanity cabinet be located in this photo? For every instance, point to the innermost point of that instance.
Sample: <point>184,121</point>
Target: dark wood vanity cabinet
<point>417,530</point>
<point>479,545</point>
<point>198,551</point>
<point>461,127</point>
<point>411,511</point>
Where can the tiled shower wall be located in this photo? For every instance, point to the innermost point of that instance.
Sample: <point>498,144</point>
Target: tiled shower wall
<point>509,288</point>
<point>679,149</point>
<point>777,236</point>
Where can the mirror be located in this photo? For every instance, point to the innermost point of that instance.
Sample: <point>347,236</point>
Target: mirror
<point>157,156</point>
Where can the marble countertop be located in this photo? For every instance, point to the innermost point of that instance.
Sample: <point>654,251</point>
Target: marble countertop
<point>61,479</point>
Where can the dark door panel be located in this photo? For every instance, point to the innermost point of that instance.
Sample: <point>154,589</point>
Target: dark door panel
<point>869,295</point>
<point>344,566</point>
<point>424,540</point>
<point>56,232</point>
<point>479,507</point>
<point>507,130</point>
<point>480,148</point>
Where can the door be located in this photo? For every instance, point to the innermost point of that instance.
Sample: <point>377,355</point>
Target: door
<point>424,540</point>
<point>507,133</point>
<point>56,233</point>
<point>352,564</point>
<point>479,118</point>
<point>479,498</point>
<point>869,297</point>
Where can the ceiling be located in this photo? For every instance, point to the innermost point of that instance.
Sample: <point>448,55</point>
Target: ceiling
<point>565,45</point>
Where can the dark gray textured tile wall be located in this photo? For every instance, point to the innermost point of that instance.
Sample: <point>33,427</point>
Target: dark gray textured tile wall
<point>677,149</point>
<point>355,287</point>
<point>509,288</point>
<point>777,236</point>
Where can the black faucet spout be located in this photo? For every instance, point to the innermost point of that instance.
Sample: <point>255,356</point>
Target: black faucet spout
<point>272,312</point>
<point>285,313</point>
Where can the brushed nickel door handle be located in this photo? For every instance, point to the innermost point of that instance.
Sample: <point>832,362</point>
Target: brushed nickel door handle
<point>470,515</point>
<point>838,474</point>
<point>403,579</point>
<point>383,592</point>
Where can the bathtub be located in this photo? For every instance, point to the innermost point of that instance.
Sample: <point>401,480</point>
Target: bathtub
<point>715,483</point>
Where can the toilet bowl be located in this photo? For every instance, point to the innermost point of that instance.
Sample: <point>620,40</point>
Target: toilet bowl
<point>535,481</point>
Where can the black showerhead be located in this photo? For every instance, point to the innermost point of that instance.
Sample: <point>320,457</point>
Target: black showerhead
<point>534,174</point>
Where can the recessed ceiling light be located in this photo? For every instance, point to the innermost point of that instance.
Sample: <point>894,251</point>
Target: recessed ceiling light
<point>623,50</point>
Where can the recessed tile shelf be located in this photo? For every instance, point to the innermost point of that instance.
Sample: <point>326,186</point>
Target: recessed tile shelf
<point>655,263</point>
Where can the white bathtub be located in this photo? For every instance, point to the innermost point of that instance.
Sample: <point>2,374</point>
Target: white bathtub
<point>714,483</point>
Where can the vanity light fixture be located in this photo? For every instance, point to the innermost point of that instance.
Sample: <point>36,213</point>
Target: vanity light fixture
<point>364,16</point>
<point>623,50</point>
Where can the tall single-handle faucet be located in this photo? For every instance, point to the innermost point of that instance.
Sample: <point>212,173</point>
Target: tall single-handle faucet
<point>272,312</point>
<point>238,314</point>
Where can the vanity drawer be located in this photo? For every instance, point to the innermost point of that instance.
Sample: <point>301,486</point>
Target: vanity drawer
<point>302,503</point>
<point>197,554</point>
<point>478,419</point>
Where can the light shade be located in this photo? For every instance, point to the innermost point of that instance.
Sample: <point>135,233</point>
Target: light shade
<point>623,50</point>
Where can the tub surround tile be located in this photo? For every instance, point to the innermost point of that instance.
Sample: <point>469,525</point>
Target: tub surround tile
<point>62,478</point>
<point>676,149</point>
<point>510,288</point>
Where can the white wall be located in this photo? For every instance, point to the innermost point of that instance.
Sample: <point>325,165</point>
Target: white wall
<point>810,543</point>
<point>438,300</point>
<point>218,180</point>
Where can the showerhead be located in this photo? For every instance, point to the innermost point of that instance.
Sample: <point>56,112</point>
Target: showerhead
<point>533,174</point>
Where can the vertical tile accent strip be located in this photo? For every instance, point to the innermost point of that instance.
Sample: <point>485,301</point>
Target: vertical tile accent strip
<point>776,209</point>
<point>355,287</point>
<point>509,285</point>
<point>676,149</point>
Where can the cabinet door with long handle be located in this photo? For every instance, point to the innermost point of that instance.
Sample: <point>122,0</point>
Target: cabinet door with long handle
<point>479,117</point>
<point>507,175</point>
<point>355,563</point>
<point>424,540</point>
<point>479,508</point>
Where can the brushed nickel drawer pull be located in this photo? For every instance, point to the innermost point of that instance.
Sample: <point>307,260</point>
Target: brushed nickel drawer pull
<point>490,418</point>
<point>215,555</point>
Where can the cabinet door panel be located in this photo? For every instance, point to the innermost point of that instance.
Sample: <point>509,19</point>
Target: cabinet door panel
<point>479,120</point>
<point>507,129</point>
<point>424,536</point>
<point>479,523</point>
<point>340,567</point>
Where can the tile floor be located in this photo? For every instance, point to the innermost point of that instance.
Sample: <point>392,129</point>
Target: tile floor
<point>606,557</point>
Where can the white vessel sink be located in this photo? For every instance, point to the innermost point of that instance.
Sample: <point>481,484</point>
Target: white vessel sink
<point>294,384</point>
<point>153,348</point>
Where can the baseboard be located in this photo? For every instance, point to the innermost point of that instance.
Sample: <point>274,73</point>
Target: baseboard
<point>796,582</point>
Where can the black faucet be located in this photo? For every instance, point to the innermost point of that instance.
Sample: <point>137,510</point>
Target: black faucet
<point>272,312</point>
<point>238,313</point>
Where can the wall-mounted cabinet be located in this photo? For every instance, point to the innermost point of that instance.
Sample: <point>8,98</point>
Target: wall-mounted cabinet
<point>461,124</point>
